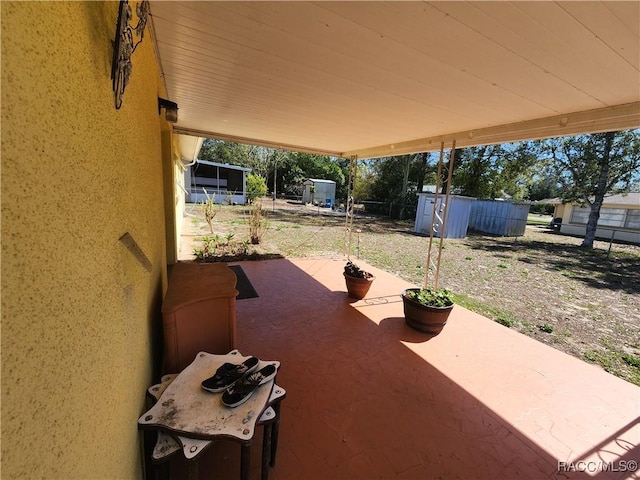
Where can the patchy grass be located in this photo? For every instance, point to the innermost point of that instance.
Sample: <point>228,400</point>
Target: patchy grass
<point>546,328</point>
<point>534,219</point>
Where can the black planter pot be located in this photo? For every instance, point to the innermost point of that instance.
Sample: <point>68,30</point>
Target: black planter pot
<point>424,318</point>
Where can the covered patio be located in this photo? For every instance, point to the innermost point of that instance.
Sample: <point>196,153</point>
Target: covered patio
<point>369,397</point>
<point>87,242</point>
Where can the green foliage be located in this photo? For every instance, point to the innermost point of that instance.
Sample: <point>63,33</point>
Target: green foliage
<point>297,167</point>
<point>581,160</point>
<point>290,169</point>
<point>214,246</point>
<point>428,296</point>
<point>543,183</point>
<point>631,360</point>
<point>622,365</point>
<point>396,181</point>
<point>546,328</point>
<point>490,171</point>
<point>365,179</point>
<point>542,208</point>
<point>256,187</point>
<point>504,320</point>
<point>591,166</point>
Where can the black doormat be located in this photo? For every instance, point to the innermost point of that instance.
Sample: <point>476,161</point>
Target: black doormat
<point>244,285</point>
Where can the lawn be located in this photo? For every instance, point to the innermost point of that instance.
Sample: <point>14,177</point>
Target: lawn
<point>585,303</point>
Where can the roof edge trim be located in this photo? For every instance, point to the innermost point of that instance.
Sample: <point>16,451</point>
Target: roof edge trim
<point>253,141</point>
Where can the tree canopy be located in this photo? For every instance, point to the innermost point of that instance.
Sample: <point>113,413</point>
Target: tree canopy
<point>580,168</point>
<point>588,167</point>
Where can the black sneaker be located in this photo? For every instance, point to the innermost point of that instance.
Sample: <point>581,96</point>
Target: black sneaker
<point>228,374</point>
<point>240,391</point>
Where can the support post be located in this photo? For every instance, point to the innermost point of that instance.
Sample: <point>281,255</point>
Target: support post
<point>439,216</point>
<point>349,207</point>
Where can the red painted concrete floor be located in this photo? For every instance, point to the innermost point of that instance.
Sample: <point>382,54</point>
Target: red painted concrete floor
<point>368,397</point>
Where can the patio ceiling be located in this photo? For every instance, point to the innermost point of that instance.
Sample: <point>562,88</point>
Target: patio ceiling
<point>386,78</point>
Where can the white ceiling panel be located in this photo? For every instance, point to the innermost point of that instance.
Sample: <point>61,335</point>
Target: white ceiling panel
<point>383,78</point>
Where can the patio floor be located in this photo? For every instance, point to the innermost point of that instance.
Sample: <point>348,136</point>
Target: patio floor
<point>369,397</point>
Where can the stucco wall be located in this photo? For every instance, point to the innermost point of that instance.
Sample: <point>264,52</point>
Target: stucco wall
<point>79,309</point>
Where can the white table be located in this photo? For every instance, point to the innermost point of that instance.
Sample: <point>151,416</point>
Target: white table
<point>190,419</point>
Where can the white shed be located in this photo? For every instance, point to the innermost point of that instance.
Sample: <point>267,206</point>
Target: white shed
<point>321,192</point>
<point>457,214</point>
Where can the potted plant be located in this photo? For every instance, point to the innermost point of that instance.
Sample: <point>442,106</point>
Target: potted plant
<point>358,281</point>
<point>427,309</point>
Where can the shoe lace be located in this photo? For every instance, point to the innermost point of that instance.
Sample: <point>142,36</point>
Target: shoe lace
<point>241,388</point>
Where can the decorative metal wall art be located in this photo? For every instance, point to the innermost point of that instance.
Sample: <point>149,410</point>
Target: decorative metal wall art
<point>124,45</point>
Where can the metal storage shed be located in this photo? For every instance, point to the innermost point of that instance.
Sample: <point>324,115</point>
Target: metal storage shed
<point>499,217</point>
<point>457,214</point>
<point>324,192</point>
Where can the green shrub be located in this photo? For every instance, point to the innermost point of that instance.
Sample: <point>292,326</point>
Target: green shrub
<point>256,187</point>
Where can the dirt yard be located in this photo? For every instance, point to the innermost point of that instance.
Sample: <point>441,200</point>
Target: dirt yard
<point>585,303</point>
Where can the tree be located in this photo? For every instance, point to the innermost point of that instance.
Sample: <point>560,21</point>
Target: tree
<point>296,167</point>
<point>395,181</point>
<point>591,166</point>
<point>224,152</point>
<point>288,169</point>
<point>489,171</point>
<point>365,177</point>
<point>543,184</point>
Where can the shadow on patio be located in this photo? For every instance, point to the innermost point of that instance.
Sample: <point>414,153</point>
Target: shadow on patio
<point>368,397</point>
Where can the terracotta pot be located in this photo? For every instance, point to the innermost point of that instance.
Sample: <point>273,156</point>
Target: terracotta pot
<point>424,318</point>
<point>358,287</point>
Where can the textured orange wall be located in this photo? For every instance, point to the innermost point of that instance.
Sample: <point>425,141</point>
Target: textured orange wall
<point>79,310</point>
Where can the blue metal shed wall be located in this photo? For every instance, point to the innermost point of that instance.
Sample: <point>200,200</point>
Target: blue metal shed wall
<point>499,218</point>
<point>457,215</point>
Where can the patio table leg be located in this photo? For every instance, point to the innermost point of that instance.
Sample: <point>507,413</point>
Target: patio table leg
<point>245,461</point>
<point>192,470</point>
<point>274,435</point>
<point>266,450</point>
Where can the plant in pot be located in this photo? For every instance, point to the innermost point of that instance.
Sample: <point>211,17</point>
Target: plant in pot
<point>427,309</point>
<point>358,281</point>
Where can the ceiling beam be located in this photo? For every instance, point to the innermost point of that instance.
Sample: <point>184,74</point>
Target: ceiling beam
<point>619,117</point>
